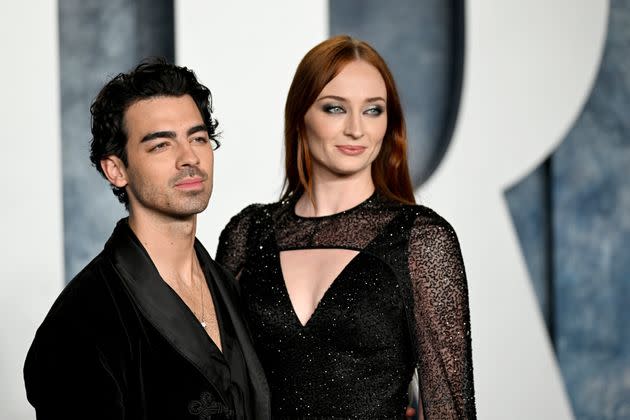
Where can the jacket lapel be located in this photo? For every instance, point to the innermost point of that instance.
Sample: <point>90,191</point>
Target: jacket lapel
<point>229,297</point>
<point>161,306</point>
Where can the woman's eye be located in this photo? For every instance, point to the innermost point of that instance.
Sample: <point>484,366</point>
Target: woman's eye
<point>333,109</point>
<point>374,110</point>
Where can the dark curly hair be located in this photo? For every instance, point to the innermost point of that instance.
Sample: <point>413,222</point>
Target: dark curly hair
<point>151,78</point>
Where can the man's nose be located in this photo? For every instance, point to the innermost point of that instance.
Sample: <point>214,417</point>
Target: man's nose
<point>187,155</point>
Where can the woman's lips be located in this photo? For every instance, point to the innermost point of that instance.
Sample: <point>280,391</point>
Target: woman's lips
<point>351,150</point>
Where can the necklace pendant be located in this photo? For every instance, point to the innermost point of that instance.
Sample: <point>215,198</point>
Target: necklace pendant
<point>203,324</point>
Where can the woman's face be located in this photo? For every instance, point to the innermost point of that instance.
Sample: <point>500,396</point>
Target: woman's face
<point>346,123</point>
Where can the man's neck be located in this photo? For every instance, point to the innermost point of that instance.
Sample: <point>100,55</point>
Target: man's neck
<point>170,244</point>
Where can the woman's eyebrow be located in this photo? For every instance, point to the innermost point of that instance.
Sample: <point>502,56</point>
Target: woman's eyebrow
<point>342,99</point>
<point>337,98</point>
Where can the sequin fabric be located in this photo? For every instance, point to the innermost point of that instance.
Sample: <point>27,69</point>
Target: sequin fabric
<point>401,303</point>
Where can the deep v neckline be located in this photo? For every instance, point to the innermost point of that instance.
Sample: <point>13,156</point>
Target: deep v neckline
<point>307,240</point>
<point>325,297</point>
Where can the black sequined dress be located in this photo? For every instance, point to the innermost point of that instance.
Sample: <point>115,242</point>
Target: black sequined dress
<point>401,302</point>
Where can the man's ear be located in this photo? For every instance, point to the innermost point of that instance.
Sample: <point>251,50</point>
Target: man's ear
<point>115,171</point>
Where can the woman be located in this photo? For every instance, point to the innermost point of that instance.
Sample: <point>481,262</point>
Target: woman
<point>347,284</point>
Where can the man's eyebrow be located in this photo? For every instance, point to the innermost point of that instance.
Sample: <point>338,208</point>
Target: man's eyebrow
<point>197,129</point>
<point>171,134</point>
<point>158,135</point>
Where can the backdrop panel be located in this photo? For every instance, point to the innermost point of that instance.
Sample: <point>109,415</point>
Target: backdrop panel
<point>31,254</point>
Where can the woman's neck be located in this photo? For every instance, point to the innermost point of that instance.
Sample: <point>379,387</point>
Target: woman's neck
<point>330,196</point>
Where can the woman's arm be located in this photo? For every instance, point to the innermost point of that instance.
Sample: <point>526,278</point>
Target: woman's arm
<point>442,320</point>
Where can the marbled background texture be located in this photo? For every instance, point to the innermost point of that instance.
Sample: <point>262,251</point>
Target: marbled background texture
<point>572,213</point>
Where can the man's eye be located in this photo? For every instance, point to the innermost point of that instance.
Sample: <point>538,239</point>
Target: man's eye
<point>158,146</point>
<point>201,140</point>
<point>333,109</point>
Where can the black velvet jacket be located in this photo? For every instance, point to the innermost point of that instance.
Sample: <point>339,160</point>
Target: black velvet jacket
<point>119,343</point>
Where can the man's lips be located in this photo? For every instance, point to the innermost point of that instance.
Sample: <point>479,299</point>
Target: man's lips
<point>190,183</point>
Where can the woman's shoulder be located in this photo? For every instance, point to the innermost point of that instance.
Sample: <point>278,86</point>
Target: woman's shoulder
<point>247,212</point>
<point>255,213</point>
<point>421,214</point>
<point>424,218</point>
<point>243,228</point>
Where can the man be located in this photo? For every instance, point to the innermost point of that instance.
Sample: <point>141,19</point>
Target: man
<point>150,329</point>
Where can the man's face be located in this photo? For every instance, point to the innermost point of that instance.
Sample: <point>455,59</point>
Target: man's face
<point>170,158</point>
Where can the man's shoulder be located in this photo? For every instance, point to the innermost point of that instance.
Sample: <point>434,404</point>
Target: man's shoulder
<point>85,295</point>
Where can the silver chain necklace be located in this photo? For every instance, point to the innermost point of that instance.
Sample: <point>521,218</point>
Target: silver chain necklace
<point>203,318</point>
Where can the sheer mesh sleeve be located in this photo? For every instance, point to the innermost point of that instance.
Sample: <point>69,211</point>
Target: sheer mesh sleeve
<point>232,248</point>
<point>442,320</point>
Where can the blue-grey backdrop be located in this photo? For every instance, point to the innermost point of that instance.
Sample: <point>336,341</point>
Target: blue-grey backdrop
<point>424,49</point>
<point>571,213</point>
<point>98,40</point>
<point>572,216</point>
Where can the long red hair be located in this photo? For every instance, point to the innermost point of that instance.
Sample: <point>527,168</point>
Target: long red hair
<point>390,171</point>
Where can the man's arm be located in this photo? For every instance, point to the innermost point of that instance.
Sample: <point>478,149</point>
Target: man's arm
<point>67,377</point>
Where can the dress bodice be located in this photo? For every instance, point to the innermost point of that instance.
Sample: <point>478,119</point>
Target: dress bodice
<point>400,302</point>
